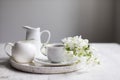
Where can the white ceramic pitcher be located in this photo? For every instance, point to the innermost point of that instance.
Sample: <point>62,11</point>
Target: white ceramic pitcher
<point>35,34</point>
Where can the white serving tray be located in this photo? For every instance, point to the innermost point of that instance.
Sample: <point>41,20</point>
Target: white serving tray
<point>38,68</point>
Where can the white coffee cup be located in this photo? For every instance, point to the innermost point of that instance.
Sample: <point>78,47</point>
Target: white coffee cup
<point>21,51</point>
<point>55,52</point>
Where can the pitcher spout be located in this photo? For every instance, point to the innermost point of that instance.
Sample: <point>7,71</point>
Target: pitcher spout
<point>28,27</point>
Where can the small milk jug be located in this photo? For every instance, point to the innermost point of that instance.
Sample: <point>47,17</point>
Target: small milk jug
<point>35,35</point>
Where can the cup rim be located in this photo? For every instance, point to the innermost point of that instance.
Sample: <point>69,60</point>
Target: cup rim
<point>55,45</point>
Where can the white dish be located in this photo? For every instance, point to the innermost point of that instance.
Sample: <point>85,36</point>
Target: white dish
<point>34,68</point>
<point>46,62</point>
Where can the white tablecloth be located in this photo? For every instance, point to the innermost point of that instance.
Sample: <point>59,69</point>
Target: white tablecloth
<point>109,69</point>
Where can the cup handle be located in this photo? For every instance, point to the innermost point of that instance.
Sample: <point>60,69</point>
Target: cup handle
<point>49,35</point>
<point>5,49</point>
<point>43,50</point>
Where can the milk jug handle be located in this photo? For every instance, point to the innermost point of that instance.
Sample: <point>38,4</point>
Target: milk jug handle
<point>49,35</point>
<point>5,48</point>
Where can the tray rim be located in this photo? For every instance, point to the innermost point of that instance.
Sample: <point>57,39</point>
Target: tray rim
<point>43,69</point>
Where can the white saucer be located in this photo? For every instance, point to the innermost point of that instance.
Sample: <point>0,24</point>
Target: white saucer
<point>46,62</point>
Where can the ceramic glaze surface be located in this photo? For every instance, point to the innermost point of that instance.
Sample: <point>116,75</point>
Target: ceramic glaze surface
<point>21,51</point>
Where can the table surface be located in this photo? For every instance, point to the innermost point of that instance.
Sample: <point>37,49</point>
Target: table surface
<point>109,69</point>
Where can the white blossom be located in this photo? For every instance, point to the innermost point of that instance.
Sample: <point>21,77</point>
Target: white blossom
<point>80,47</point>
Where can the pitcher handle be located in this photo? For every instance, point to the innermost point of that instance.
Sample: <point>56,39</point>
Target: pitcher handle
<point>43,48</point>
<point>5,49</point>
<point>49,35</point>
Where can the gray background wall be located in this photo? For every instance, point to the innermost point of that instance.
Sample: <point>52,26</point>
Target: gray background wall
<point>118,20</point>
<point>93,19</point>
